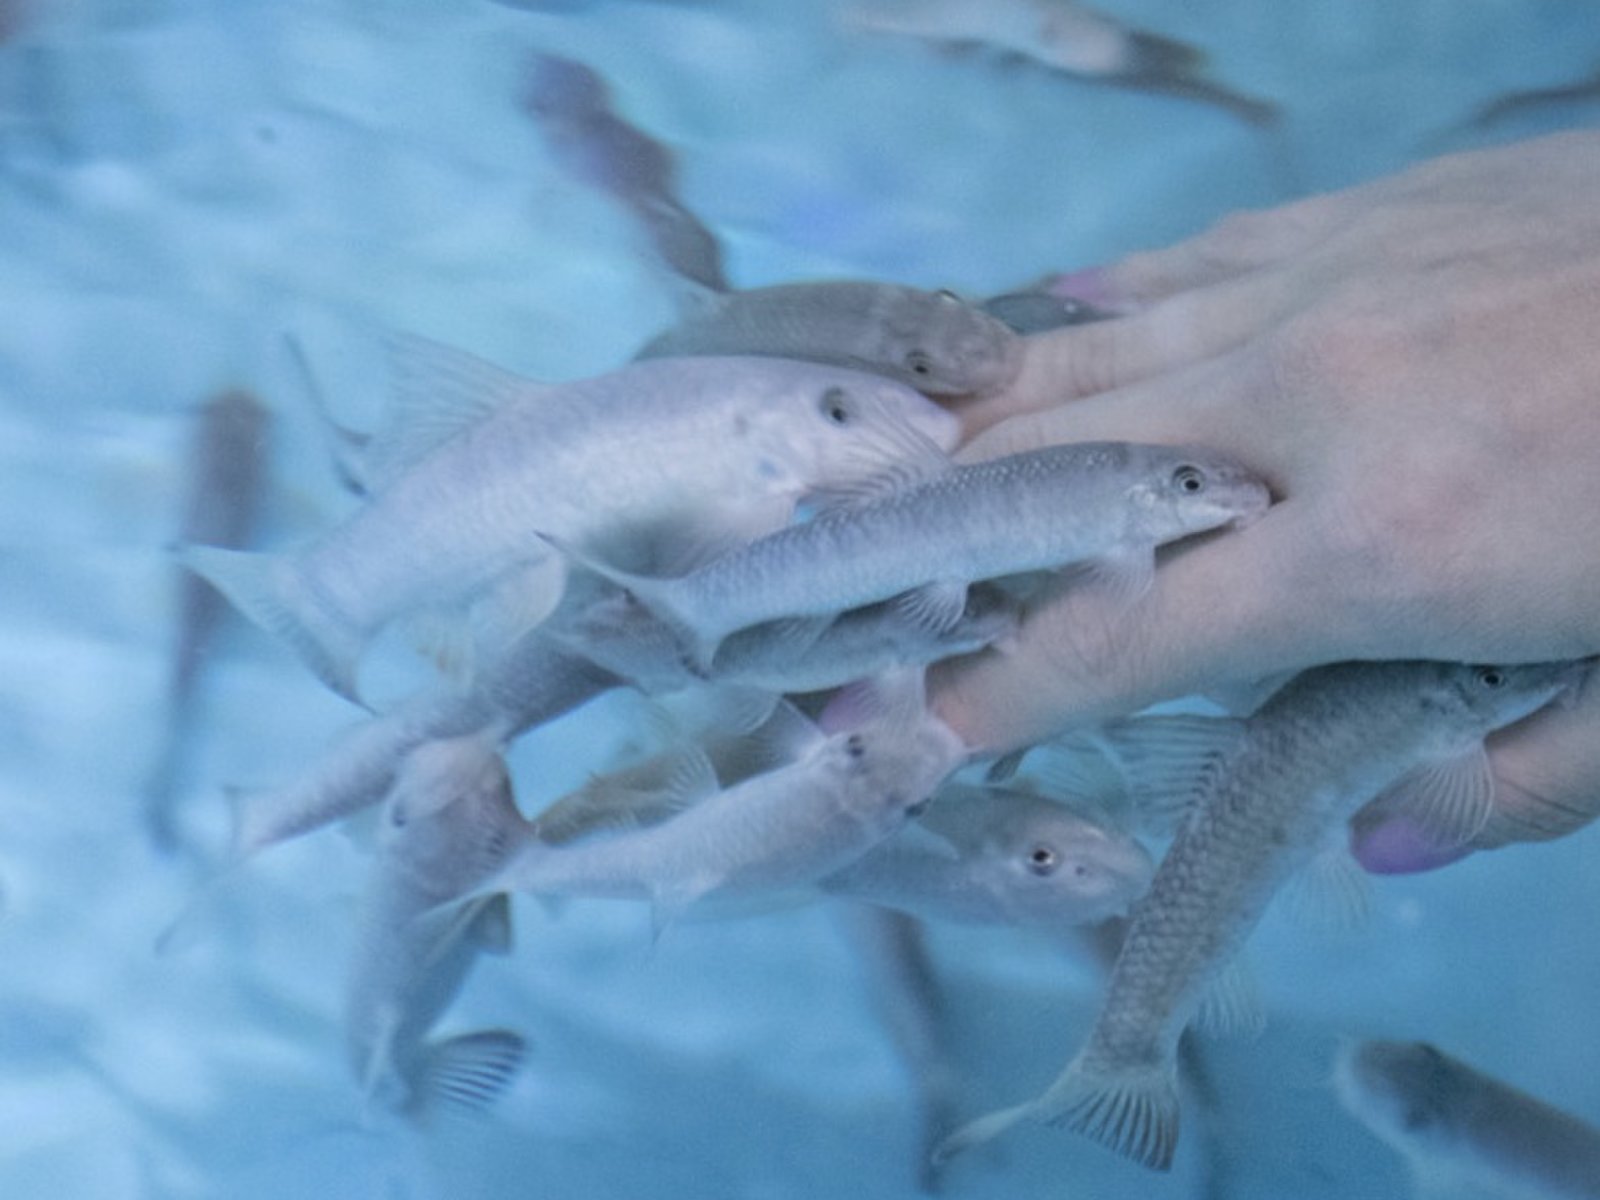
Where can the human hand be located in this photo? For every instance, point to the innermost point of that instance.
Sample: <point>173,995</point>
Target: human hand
<point>1413,365</point>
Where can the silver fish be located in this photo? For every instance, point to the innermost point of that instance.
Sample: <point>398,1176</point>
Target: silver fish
<point>624,636</point>
<point>536,681</point>
<point>1454,1122</point>
<point>447,825</point>
<point>228,459</point>
<point>1040,310</point>
<point>696,450</point>
<point>1105,503</point>
<point>932,341</point>
<point>1065,36</point>
<point>839,795</point>
<point>995,856</point>
<point>1266,795</point>
<point>571,105</point>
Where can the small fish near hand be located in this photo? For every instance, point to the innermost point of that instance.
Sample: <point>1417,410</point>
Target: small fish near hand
<point>1264,794</point>
<point>932,341</point>
<point>998,856</point>
<point>837,795</point>
<point>928,532</point>
<point>449,822</point>
<point>1458,1126</point>
<point>684,452</point>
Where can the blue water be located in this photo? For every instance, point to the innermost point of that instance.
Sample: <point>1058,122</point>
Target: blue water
<point>183,181</point>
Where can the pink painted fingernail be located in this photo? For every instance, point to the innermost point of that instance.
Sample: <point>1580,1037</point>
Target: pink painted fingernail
<point>1092,285</point>
<point>1396,846</point>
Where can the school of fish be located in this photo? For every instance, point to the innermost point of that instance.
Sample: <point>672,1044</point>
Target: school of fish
<point>759,515</point>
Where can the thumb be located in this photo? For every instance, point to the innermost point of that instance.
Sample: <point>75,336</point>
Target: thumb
<point>1546,785</point>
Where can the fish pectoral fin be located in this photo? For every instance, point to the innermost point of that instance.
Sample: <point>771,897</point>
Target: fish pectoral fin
<point>1231,1006</point>
<point>436,392</point>
<point>514,605</point>
<point>1332,893</point>
<point>1132,1111</point>
<point>1123,577</point>
<point>893,459</point>
<point>668,904</point>
<point>1450,801</point>
<point>935,607</point>
<point>468,1073</point>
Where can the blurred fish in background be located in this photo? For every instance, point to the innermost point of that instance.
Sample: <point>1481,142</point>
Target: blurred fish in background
<point>1462,1131</point>
<point>227,468</point>
<point>1064,36</point>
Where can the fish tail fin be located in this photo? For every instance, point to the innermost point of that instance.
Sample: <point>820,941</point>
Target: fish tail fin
<point>659,594</point>
<point>1131,1110</point>
<point>266,589</point>
<point>467,1074</point>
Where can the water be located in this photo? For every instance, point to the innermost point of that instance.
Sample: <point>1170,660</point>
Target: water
<point>181,182</point>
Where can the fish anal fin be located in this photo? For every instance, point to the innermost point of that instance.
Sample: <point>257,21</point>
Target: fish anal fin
<point>1450,800</point>
<point>264,588</point>
<point>469,1073</point>
<point>1231,1006</point>
<point>1332,892</point>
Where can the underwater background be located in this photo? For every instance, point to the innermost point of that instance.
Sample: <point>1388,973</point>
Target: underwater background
<point>182,183</point>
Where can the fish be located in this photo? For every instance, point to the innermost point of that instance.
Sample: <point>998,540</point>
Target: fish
<point>624,636</point>
<point>1453,1122</point>
<point>1265,795</point>
<point>227,461</point>
<point>932,341</point>
<point>448,823</point>
<point>537,680</point>
<point>836,796</point>
<point>925,533</point>
<point>571,105</point>
<point>910,1006</point>
<point>679,454</point>
<point>1064,36</point>
<point>1003,857</point>
<point>1514,104</point>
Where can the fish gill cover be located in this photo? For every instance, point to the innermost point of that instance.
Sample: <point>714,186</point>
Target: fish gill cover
<point>184,183</point>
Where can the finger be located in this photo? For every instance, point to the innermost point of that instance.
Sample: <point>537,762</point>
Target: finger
<point>1547,774</point>
<point>1222,610</point>
<point>1547,785</point>
<point>1104,356</point>
<point>1240,243</point>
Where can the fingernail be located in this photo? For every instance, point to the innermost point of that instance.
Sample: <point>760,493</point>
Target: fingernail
<point>1092,285</point>
<point>1397,846</point>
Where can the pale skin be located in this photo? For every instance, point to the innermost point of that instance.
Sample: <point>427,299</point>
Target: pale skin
<point>1414,365</point>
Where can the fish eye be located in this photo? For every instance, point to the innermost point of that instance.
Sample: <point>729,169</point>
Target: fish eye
<point>835,405</point>
<point>1042,860</point>
<point>1491,677</point>
<point>1189,479</point>
<point>919,363</point>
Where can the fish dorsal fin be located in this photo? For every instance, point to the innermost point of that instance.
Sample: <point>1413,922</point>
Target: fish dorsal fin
<point>1450,801</point>
<point>1232,1004</point>
<point>436,391</point>
<point>468,1073</point>
<point>892,461</point>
